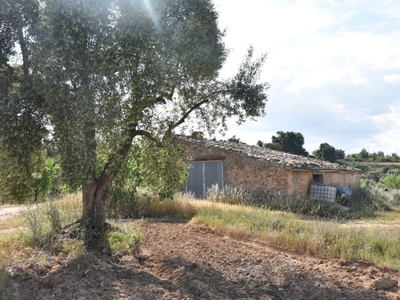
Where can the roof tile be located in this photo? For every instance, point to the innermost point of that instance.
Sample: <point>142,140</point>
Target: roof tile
<point>295,162</point>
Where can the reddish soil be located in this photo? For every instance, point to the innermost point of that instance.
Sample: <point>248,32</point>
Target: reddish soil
<point>189,261</point>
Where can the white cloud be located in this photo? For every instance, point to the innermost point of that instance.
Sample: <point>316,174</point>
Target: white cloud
<point>329,65</point>
<point>389,123</point>
<point>393,79</point>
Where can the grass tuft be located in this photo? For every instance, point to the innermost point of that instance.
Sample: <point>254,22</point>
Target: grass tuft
<point>122,205</point>
<point>123,240</point>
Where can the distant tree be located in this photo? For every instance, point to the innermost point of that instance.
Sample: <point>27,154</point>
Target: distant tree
<point>234,139</point>
<point>315,153</point>
<point>290,142</point>
<point>395,157</point>
<point>364,154</point>
<point>260,143</point>
<point>340,154</point>
<point>326,152</point>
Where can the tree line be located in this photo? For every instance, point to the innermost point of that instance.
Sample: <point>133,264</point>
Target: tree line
<point>293,142</point>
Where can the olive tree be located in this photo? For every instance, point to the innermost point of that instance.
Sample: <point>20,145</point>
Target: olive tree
<point>22,125</point>
<point>109,71</point>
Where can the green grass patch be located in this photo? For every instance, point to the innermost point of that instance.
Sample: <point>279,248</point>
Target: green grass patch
<point>122,240</point>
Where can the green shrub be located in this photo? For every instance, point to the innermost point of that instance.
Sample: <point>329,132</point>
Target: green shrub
<point>394,197</point>
<point>369,199</point>
<point>391,181</point>
<point>122,240</point>
<point>35,223</point>
<point>53,214</point>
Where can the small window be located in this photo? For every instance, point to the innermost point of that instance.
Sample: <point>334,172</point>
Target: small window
<point>318,178</point>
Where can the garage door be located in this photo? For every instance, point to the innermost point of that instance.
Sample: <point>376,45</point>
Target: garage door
<point>203,175</point>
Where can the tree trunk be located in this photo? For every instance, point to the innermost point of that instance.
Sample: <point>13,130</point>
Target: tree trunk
<point>94,196</point>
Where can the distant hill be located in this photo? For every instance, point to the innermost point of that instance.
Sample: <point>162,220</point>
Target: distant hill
<point>373,168</point>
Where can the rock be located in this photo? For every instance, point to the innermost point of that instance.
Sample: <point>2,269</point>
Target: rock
<point>373,271</point>
<point>384,284</point>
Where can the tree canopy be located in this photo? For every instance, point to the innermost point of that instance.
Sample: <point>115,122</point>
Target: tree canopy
<point>91,76</point>
<point>290,142</point>
<point>329,153</point>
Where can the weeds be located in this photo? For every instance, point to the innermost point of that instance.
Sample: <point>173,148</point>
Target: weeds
<point>73,247</point>
<point>230,195</point>
<point>123,205</point>
<point>52,212</point>
<point>46,218</point>
<point>326,239</point>
<point>122,240</point>
<point>291,222</point>
<point>35,224</point>
<point>278,202</point>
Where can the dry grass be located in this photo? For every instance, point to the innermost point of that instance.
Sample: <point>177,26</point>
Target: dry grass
<point>20,233</point>
<point>376,240</point>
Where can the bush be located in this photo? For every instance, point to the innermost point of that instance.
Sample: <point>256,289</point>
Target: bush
<point>370,198</point>
<point>394,197</point>
<point>122,240</point>
<point>391,181</point>
<point>306,206</point>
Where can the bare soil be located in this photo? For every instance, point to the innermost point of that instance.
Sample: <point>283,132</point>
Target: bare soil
<point>190,261</point>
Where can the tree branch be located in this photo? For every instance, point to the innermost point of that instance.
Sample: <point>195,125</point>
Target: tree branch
<point>115,161</point>
<point>186,115</point>
<point>22,42</point>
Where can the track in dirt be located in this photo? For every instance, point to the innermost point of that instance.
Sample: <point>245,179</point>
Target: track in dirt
<point>189,261</point>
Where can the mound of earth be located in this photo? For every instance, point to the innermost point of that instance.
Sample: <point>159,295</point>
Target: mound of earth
<point>189,261</point>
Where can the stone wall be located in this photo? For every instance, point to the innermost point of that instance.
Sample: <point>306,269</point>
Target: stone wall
<point>299,182</point>
<point>243,171</point>
<point>351,179</point>
<point>257,175</point>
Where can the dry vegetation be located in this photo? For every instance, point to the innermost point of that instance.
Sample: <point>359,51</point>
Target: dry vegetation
<point>227,251</point>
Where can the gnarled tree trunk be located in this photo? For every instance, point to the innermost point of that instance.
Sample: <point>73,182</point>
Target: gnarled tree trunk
<point>94,196</point>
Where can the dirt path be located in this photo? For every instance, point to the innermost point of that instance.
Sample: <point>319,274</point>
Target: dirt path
<point>188,261</point>
<point>8,212</point>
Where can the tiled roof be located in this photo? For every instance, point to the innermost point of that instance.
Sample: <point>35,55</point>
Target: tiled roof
<point>292,161</point>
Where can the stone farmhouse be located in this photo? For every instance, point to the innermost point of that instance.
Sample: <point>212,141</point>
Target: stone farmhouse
<point>259,169</point>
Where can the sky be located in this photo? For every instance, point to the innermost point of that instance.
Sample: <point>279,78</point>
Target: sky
<point>333,67</point>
